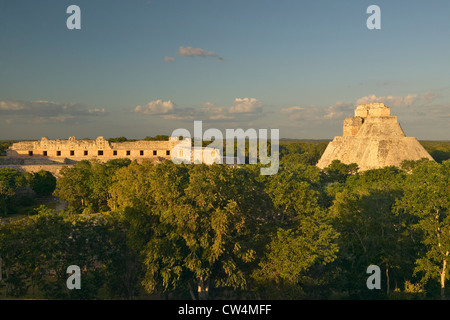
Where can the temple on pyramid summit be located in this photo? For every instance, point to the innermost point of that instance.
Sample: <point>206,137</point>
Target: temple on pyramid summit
<point>372,139</point>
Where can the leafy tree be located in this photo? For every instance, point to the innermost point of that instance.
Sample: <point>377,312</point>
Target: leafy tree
<point>37,250</point>
<point>10,180</point>
<point>338,171</point>
<point>118,163</point>
<point>194,224</point>
<point>221,200</point>
<point>304,237</point>
<point>119,139</point>
<point>160,137</point>
<point>305,152</point>
<point>439,150</point>
<point>43,182</point>
<point>131,187</point>
<point>426,199</point>
<point>85,186</point>
<point>4,145</point>
<point>100,180</point>
<point>370,232</point>
<point>12,248</point>
<point>74,186</point>
<point>123,266</point>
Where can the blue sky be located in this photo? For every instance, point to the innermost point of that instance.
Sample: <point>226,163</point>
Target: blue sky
<point>145,67</point>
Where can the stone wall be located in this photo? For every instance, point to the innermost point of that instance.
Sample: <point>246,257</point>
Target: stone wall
<point>101,149</point>
<point>8,161</point>
<point>377,109</point>
<point>52,155</point>
<point>352,125</point>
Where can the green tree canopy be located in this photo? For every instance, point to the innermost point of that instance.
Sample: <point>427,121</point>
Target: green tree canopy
<point>426,201</point>
<point>10,180</point>
<point>198,226</point>
<point>43,183</point>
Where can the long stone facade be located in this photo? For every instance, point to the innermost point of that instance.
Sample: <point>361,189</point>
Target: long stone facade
<point>372,139</point>
<point>51,155</point>
<point>101,149</point>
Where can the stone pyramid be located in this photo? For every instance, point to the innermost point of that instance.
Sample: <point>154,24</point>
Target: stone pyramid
<point>372,139</point>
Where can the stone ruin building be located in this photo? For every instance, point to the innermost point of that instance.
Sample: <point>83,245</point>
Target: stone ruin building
<point>73,150</point>
<point>372,139</point>
<point>51,155</point>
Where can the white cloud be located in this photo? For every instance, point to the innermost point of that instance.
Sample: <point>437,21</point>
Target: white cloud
<point>48,111</point>
<point>339,110</point>
<point>300,114</point>
<point>414,103</point>
<point>191,52</point>
<point>291,110</point>
<point>439,111</point>
<point>168,59</point>
<point>11,105</point>
<point>242,109</point>
<point>246,105</point>
<point>391,101</point>
<point>97,111</point>
<point>429,97</point>
<point>157,107</point>
<point>57,119</point>
<point>208,104</point>
<point>221,117</point>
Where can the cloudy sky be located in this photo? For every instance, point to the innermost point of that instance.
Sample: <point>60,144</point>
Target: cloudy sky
<point>140,68</point>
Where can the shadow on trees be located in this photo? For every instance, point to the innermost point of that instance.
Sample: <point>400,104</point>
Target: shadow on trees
<point>440,155</point>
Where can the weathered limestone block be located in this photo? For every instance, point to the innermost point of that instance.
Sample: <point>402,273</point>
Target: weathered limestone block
<point>376,109</point>
<point>352,125</point>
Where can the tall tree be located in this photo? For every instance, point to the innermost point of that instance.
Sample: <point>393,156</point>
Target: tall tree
<point>73,186</point>
<point>302,237</point>
<point>194,224</point>
<point>370,232</point>
<point>86,185</point>
<point>37,250</point>
<point>43,182</point>
<point>10,180</point>
<point>427,199</point>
